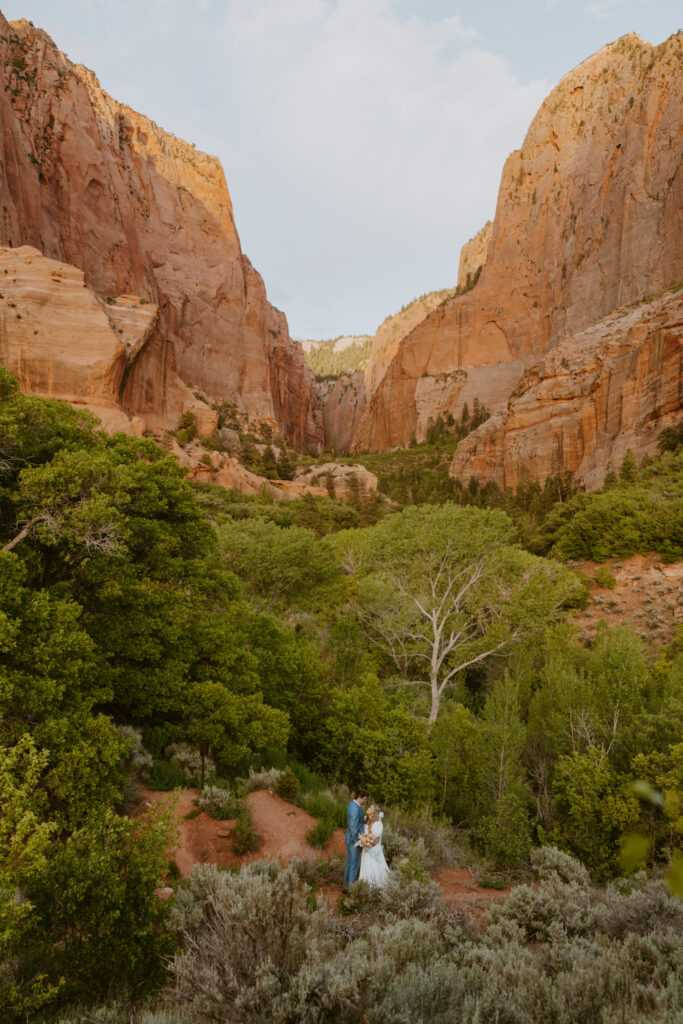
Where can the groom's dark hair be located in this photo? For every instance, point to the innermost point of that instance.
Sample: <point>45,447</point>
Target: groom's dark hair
<point>359,794</point>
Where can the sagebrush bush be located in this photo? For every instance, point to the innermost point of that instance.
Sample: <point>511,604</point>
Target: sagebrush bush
<point>260,780</point>
<point>140,759</point>
<point>641,912</point>
<point>244,938</point>
<point>190,760</point>
<point>549,862</point>
<point>442,845</point>
<point>218,803</point>
<point>257,946</point>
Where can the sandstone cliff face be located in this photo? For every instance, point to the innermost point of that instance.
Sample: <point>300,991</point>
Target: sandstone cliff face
<point>588,219</point>
<point>393,330</point>
<point>473,254</point>
<point>590,398</point>
<point>90,182</point>
<point>343,403</point>
<point>63,341</point>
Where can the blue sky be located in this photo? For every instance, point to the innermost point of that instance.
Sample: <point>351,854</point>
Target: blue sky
<point>362,140</point>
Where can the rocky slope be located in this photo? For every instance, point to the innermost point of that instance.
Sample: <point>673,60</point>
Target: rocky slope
<point>646,593</point>
<point>590,398</point>
<point>587,220</point>
<point>90,182</point>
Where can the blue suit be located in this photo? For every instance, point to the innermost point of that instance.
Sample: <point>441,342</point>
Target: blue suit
<point>355,817</point>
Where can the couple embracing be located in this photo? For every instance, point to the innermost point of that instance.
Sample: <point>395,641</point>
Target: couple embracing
<point>364,855</point>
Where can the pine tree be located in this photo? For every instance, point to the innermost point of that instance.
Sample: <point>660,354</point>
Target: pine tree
<point>629,471</point>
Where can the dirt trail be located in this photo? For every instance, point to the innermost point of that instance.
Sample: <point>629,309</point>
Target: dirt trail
<point>459,886</point>
<point>202,840</point>
<point>283,828</point>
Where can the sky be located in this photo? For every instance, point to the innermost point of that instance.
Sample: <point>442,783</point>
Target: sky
<point>362,140</point>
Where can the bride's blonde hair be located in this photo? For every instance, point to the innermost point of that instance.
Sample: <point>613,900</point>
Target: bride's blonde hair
<point>373,809</point>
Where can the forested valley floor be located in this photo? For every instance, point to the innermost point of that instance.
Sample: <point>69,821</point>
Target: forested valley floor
<point>159,633</point>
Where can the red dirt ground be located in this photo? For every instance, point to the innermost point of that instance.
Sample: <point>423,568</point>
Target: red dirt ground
<point>283,828</point>
<point>202,840</point>
<point>459,886</point>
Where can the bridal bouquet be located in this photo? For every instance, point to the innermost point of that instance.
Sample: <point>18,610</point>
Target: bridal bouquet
<point>365,840</point>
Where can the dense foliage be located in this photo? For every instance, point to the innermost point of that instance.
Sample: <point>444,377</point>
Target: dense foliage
<point>329,359</point>
<point>148,627</point>
<point>256,947</point>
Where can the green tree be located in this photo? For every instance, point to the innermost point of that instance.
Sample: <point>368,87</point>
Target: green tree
<point>24,846</point>
<point>505,829</point>
<point>293,678</point>
<point>98,922</point>
<point>595,810</point>
<point>456,741</point>
<point>629,470</point>
<point>231,725</point>
<point>370,740</point>
<point>442,588</point>
<point>279,563</point>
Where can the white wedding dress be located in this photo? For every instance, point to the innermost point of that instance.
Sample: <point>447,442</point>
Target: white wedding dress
<point>373,866</point>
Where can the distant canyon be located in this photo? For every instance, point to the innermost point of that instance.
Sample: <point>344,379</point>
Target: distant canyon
<point>124,288</point>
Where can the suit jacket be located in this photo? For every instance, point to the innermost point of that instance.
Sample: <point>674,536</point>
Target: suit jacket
<point>355,816</point>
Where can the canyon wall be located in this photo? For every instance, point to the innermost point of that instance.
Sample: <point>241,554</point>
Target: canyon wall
<point>587,220</point>
<point>90,182</point>
<point>63,341</point>
<point>595,394</point>
<point>473,255</point>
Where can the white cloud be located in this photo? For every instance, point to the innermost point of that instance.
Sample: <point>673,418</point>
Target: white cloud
<point>603,8</point>
<point>400,123</point>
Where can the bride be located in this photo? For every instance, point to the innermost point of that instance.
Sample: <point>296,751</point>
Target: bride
<point>373,866</point>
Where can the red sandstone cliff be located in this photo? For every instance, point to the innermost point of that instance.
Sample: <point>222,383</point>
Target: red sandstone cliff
<point>588,219</point>
<point>590,398</point>
<point>90,182</point>
<point>473,255</point>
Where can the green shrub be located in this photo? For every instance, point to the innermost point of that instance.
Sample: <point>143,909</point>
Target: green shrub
<point>494,882</point>
<point>505,834</point>
<point>359,899</point>
<point>245,838</point>
<point>165,775</point>
<point>319,836</point>
<point>324,806</point>
<point>604,578</point>
<point>287,785</point>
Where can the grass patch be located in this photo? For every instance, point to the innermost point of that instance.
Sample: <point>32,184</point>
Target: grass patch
<point>494,882</point>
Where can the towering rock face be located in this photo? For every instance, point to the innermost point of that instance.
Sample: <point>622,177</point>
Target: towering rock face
<point>590,398</point>
<point>343,403</point>
<point>92,183</point>
<point>62,341</point>
<point>588,219</point>
<point>473,255</point>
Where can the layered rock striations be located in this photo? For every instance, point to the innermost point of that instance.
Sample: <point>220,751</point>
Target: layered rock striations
<point>90,182</point>
<point>63,341</point>
<point>590,398</point>
<point>587,220</point>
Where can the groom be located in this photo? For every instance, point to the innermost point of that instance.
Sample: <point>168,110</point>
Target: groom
<point>356,823</point>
